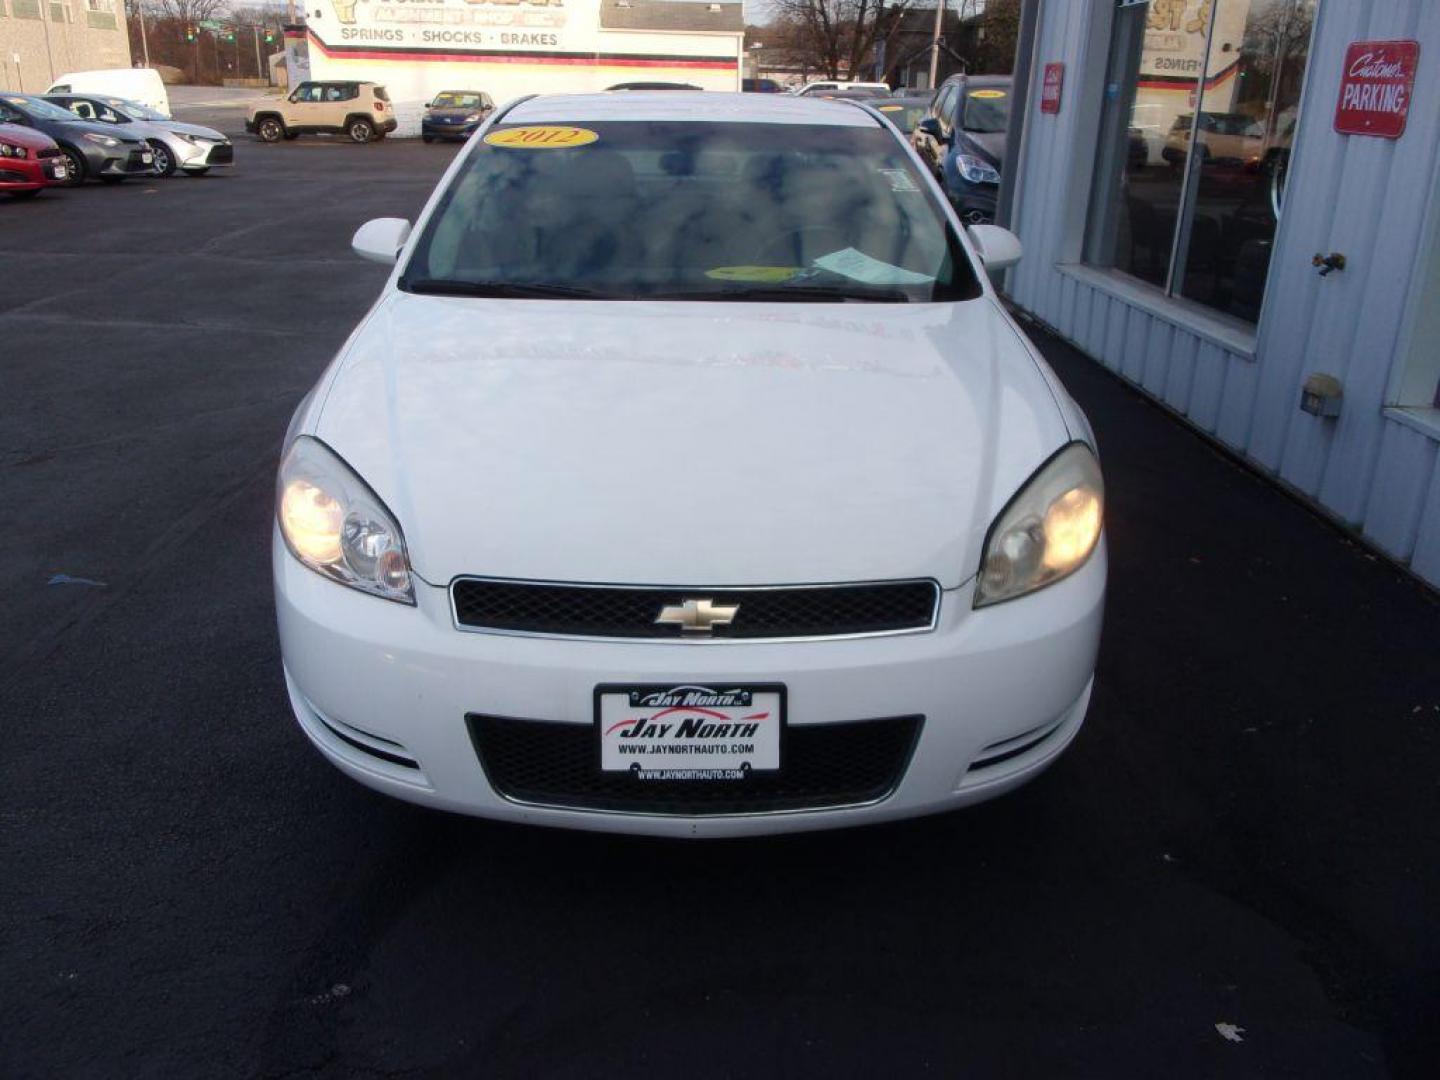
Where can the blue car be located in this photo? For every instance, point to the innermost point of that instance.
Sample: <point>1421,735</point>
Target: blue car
<point>962,139</point>
<point>455,114</point>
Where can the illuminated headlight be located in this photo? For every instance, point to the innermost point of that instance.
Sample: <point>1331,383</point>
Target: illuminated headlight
<point>975,170</point>
<point>334,524</point>
<point>7,150</point>
<point>102,140</point>
<point>1048,531</point>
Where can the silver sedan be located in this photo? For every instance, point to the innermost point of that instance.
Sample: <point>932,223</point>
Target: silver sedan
<point>188,148</point>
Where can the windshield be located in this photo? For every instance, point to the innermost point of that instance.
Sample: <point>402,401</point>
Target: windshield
<point>134,110</point>
<point>688,210</point>
<point>905,115</point>
<point>41,109</point>
<point>987,111</point>
<point>451,99</point>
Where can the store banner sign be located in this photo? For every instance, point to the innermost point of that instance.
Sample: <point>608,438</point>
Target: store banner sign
<point>1376,87</point>
<point>1051,88</point>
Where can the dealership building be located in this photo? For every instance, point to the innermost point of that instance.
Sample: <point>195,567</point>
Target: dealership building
<point>509,48</point>
<point>41,39</point>
<point>1235,206</point>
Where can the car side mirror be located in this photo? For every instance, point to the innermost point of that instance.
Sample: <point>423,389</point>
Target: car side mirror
<point>381,239</point>
<point>931,127</point>
<point>999,249</point>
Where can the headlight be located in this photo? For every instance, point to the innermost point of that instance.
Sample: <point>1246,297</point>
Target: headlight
<point>6,150</point>
<point>334,524</point>
<point>192,139</point>
<point>1048,530</point>
<point>474,117</point>
<point>103,140</point>
<point>975,170</point>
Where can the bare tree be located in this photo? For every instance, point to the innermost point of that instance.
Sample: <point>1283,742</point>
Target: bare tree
<point>190,12</point>
<point>834,36</point>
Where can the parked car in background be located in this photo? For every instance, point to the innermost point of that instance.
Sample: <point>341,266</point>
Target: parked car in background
<point>133,84</point>
<point>92,150</point>
<point>825,86</point>
<point>455,114</point>
<point>760,86</point>
<point>360,110</point>
<point>190,148</point>
<point>903,112</point>
<point>810,618</point>
<point>30,161</point>
<point>1225,139</point>
<point>962,139</point>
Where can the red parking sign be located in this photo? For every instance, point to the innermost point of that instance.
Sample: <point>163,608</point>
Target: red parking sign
<point>1052,86</point>
<point>1375,88</point>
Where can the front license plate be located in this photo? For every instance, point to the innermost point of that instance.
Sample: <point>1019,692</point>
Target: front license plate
<point>61,172</point>
<point>693,732</point>
<point>147,158</point>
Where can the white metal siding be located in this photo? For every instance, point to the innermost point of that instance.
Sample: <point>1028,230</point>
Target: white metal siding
<point>1364,197</point>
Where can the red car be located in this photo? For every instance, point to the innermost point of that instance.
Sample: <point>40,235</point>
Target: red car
<point>29,162</point>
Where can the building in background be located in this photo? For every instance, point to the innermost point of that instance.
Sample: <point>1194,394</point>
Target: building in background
<point>509,48</point>
<point>40,39</point>
<point>1235,205</point>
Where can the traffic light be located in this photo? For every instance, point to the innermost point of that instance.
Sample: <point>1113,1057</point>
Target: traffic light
<point>269,37</point>
<point>190,34</point>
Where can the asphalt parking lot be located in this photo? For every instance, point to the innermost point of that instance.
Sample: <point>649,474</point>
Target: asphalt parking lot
<point>1233,872</point>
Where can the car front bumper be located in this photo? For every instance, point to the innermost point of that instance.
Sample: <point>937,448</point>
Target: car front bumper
<point>32,173</point>
<point>202,155</point>
<point>125,160</point>
<point>974,203</point>
<point>448,131</point>
<point>376,685</point>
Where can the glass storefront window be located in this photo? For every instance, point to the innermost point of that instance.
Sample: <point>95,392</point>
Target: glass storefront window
<point>1201,102</point>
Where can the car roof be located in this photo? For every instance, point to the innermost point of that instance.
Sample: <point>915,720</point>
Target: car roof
<point>698,107</point>
<point>982,80</point>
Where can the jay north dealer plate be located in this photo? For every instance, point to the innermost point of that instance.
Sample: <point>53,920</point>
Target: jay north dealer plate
<point>720,732</point>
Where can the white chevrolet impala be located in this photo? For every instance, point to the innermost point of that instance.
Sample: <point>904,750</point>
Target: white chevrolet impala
<point>688,478</point>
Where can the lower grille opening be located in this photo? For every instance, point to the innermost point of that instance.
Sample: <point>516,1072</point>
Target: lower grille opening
<point>824,766</point>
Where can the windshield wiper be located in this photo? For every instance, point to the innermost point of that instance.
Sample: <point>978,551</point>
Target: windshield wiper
<point>521,290</point>
<point>831,294</point>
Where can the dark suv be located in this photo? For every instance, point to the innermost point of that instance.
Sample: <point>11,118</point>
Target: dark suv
<point>962,139</point>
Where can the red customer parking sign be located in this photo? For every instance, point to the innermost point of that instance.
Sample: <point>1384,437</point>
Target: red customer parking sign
<point>1375,88</point>
<point>1051,88</point>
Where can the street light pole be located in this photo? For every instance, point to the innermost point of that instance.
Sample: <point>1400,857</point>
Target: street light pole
<point>144,38</point>
<point>935,43</point>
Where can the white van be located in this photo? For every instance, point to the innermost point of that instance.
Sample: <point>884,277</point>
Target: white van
<point>133,84</point>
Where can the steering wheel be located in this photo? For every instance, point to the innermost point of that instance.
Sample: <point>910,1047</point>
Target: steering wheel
<point>769,253</point>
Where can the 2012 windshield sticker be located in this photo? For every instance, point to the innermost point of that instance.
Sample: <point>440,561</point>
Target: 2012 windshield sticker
<point>541,137</point>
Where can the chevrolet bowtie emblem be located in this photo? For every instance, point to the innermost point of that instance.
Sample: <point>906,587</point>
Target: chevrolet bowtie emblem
<point>697,616</point>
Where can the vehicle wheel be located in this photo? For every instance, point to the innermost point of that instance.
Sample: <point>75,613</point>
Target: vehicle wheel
<point>427,137</point>
<point>164,159</point>
<point>271,130</point>
<point>77,167</point>
<point>360,130</point>
<point>198,172</point>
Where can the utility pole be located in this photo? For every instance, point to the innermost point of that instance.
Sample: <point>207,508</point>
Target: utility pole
<point>258,73</point>
<point>144,40</point>
<point>935,43</point>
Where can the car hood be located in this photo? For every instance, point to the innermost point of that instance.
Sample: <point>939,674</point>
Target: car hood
<point>29,138</point>
<point>690,443</point>
<point>451,114</point>
<point>189,129</point>
<point>77,127</point>
<point>988,145</point>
